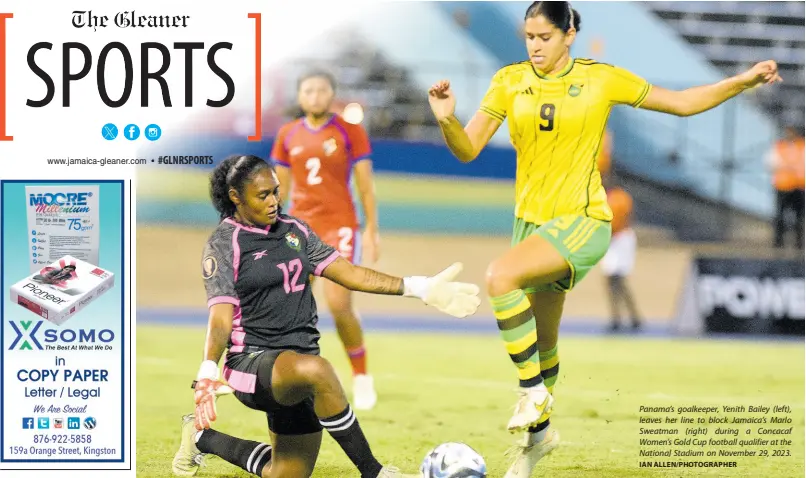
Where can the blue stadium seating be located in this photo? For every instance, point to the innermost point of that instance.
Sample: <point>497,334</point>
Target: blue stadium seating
<point>735,35</point>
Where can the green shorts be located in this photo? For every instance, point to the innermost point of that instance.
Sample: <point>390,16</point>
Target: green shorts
<point>580,240</point>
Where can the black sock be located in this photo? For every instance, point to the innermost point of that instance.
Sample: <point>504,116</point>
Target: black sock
<point>250,455</point>
<point>344,428</point>
<point>539,427</point>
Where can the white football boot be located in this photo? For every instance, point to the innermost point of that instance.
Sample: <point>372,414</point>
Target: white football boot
<point>527,455</point>
<point>534,402</point>
<point>364,396</point>
<point>188,458</point>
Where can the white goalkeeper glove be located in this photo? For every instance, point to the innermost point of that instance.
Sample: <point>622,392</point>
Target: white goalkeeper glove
<point>207,388</point>
<point>458,299</point>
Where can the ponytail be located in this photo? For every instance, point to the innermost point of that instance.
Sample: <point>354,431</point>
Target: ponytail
<point>232,173</point>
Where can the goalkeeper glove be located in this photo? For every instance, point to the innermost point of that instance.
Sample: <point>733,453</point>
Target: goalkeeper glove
<point>458,299</point>
<point>207,388</point>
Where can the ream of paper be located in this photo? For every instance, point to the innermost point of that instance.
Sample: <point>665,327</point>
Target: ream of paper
<point>62,221</point>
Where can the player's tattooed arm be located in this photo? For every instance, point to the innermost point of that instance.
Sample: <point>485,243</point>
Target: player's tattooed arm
<point>363,279</point>
<point>380,283</point>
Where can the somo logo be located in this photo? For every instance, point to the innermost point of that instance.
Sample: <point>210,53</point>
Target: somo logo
<point>752,297</point>
<point>56,336</point>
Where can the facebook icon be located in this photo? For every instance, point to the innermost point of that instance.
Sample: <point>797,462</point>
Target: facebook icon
<point>27,423</point>
<point>131,131</point>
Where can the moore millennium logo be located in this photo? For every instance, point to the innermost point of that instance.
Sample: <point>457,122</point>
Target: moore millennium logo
<point>29,338</point>
<point>60,202</point>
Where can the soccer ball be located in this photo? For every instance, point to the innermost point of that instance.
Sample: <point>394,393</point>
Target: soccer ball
<point>453,460</point>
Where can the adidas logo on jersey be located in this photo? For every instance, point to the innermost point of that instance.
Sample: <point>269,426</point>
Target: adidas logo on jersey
<point>527,91</point>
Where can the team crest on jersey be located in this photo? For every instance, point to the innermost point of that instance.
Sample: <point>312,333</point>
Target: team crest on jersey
<point>575,90</point>
<point>292,240</point>
<point>209,267</point>
<point>330,146</point>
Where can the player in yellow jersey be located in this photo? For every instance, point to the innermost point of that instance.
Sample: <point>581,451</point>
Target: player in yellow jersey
<point>557,108</point>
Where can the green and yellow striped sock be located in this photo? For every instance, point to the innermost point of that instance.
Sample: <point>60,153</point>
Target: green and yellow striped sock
<point>549,368</point>
<point>519,331</point>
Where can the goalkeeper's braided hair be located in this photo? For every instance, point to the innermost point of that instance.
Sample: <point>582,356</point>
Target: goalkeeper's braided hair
<point>233,173</point>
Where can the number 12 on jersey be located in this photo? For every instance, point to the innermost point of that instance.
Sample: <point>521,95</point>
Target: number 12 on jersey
<point>291,284</point>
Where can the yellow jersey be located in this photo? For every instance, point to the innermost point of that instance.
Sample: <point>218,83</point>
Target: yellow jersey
<point>556,124</point>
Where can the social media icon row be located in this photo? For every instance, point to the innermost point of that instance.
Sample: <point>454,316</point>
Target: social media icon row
<point>43,423</point>
<point>131,132</point>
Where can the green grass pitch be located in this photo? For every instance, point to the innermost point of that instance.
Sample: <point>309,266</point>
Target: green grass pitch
<point>435,388</point>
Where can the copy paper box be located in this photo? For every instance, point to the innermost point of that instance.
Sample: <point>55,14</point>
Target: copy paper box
<point>63,220</point>
<point>60,290</point>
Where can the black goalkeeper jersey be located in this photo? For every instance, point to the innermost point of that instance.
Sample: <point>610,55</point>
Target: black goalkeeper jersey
<point>265,274</point>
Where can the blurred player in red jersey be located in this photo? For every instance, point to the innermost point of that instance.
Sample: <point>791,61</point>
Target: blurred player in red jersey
<point>618,262</point>
<point>318,154</point>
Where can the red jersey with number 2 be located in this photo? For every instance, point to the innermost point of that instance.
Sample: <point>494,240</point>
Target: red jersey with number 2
<point>321,162</point>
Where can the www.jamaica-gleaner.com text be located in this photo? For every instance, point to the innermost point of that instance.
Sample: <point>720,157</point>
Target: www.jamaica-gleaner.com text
<point>86,161</point>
